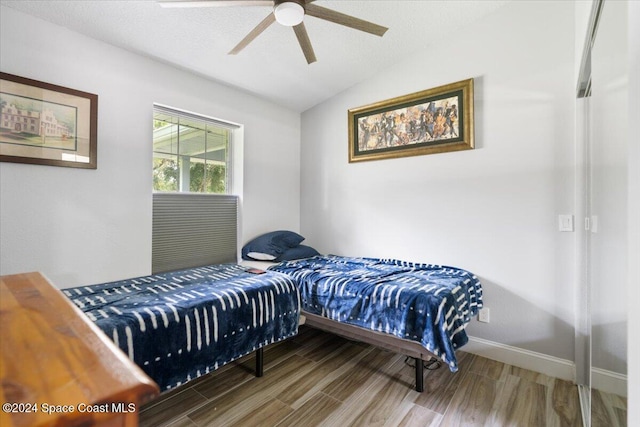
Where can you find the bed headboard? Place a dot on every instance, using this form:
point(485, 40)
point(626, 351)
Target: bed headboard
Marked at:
point(192, 230)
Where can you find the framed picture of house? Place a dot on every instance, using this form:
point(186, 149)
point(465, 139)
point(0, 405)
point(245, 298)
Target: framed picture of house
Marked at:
point(46, 124)
point(431, 121)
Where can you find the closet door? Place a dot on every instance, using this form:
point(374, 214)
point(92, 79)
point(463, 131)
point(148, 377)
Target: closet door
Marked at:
point(608, 182)
point(583, 234)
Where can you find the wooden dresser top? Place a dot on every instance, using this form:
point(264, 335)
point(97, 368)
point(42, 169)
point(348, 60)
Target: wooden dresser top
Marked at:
point(54, 359)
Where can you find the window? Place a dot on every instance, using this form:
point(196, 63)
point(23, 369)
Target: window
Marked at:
point(191, 153)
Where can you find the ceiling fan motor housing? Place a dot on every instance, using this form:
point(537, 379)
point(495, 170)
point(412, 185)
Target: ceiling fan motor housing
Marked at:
point(289, 12)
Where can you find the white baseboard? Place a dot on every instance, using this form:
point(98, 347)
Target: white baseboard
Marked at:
point(609, 381)
point(526, 359)
point(601, 379)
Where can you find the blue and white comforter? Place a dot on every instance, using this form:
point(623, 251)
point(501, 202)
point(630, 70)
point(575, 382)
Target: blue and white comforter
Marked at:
point(427, 303)
point(180, 325)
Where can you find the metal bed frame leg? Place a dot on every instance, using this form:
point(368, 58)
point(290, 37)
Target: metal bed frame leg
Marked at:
point(259, 362)
point(419, 375)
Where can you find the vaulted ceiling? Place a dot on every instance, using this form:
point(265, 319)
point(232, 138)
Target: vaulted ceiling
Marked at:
point(273, 65)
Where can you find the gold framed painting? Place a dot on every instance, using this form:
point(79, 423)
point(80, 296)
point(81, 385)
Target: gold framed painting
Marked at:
point(46, 124)
point(432, 121)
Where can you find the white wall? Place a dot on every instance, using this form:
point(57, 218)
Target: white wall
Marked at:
point(493, 210)
point(89, 226)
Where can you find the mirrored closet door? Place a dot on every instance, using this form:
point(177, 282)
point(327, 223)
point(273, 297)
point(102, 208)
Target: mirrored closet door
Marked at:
point(601, 352)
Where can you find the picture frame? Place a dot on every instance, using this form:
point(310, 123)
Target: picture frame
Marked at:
point(436, 120)
point(46, 124)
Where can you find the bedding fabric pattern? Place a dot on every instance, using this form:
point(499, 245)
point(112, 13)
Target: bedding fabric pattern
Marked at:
point(427, 303)
point(177, 326)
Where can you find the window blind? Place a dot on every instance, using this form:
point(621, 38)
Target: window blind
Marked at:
point(174, 112)
point(192, 230)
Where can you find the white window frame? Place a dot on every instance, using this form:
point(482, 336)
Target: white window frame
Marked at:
point(234, 178)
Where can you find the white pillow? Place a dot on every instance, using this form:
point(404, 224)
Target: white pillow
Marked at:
point(260, 256)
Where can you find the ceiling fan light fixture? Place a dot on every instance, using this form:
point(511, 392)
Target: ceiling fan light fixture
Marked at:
point(289, 13)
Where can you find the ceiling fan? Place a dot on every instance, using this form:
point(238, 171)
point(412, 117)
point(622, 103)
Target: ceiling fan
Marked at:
point(289, 13)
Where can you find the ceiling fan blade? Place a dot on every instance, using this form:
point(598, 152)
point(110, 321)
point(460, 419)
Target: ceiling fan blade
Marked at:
point(305, 43)
point(270, 19)
point(213, 3)
point(346, 20)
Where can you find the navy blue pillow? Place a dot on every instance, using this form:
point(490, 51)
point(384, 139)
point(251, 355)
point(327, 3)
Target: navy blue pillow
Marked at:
point(299, 252)
point(269, 246)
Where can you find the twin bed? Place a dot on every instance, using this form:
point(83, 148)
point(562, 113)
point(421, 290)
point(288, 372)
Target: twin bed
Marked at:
point(180, 325)
point(420, 310)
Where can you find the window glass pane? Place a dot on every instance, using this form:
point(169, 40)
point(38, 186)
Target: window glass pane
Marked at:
point(197, 177)
point(216, 178)
point(165, 137)
point(165, 172)
point(192, 141)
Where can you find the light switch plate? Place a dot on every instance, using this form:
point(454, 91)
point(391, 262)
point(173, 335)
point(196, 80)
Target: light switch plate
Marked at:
point(565, 222)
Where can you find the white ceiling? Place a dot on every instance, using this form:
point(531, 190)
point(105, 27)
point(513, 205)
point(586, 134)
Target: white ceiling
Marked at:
point(272, 66)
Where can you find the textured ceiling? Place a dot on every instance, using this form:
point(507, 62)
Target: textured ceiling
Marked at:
point(273, 65)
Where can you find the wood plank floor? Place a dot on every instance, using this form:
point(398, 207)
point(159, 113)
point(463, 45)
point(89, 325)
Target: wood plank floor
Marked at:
point(319, 379)
point(608, 410)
